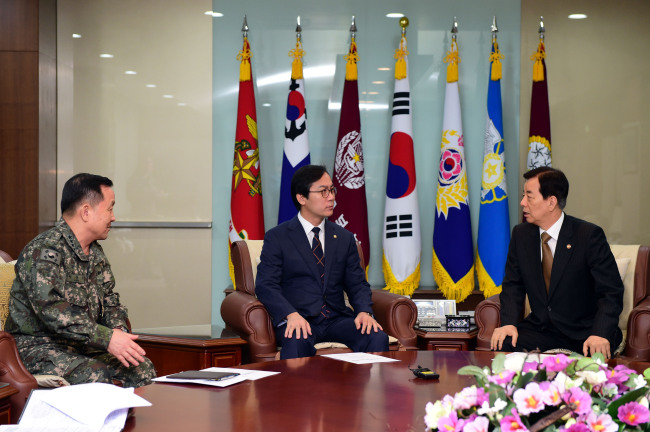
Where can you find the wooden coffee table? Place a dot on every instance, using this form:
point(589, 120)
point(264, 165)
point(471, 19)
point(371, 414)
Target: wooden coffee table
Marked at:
point(314, 393)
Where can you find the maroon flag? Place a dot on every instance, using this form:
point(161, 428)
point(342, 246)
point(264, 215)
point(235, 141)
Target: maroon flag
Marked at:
point(539, 136)
point(351, 211)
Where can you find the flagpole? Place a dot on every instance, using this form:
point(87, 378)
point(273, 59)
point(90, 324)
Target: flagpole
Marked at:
point(402, 244)
point(296, 141)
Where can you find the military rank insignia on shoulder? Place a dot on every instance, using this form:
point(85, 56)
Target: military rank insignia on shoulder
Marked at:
point(51, 256)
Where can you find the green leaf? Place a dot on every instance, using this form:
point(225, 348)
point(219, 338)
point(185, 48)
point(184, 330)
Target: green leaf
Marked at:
point(472, 371)
point(498, 363)
point(599, 358)
point(525, 379)
point(587, 364)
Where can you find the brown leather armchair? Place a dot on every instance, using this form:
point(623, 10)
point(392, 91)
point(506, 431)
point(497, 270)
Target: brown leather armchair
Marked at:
point(12, 370)
point(246, 316)
point(637, 338)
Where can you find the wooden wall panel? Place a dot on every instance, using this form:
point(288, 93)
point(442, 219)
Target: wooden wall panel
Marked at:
point(27, 89)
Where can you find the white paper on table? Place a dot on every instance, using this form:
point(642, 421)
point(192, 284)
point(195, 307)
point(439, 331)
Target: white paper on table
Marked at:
point(360, 358)
point(40, 415)
point(244, 375)
point(91, 404)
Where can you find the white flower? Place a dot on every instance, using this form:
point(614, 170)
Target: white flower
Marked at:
point(644, 401)
point(564, 383)
point(514, 362)
point(480, 424)
point(436, 411)
point(593, 378)
point(485, 409)
point(639, 382)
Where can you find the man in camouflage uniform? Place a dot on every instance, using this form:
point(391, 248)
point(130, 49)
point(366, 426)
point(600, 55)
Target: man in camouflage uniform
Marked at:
point(63, 312)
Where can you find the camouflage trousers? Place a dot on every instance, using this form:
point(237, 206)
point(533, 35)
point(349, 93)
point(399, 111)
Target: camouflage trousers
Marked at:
point(81, 366)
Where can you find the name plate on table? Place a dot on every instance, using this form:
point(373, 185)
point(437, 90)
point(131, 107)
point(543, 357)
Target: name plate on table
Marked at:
point(458, 321)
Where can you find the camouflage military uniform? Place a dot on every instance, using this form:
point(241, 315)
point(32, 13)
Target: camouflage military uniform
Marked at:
point(62, 311)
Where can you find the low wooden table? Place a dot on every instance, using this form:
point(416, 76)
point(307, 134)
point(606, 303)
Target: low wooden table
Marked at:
point(175, 349)
point(443, 339)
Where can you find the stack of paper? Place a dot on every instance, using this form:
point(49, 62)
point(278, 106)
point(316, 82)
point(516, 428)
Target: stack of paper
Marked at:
point(94, 407)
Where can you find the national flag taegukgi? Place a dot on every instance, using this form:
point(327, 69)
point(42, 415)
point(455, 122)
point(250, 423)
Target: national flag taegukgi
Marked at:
point(539, 135)
point(494, 221)
point(453, 255)
point(246, 211)
point(351, 210)
point(402, 246)
point(296, 142)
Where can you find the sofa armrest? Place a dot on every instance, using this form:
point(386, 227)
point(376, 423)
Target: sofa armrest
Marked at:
point(397, 315)
point(247, 316)
point(13, 371)
point(488, 317)
point(638, 332)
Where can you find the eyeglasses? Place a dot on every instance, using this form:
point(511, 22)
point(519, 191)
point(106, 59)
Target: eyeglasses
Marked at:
point(325, 192)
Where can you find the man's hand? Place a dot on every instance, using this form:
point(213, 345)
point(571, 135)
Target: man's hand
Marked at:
point(500, 333)
point(124, 349)
point(296, 322)
point(596, 344)
point(366, 323)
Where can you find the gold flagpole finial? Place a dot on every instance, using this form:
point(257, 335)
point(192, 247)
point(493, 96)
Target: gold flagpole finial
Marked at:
point(454, 29)
point(542, 29)
point(244, 27)
point(404, 22)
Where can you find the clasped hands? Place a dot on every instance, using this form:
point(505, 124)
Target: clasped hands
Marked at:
point(123, 348)
point(594, 344)
point(295, 322)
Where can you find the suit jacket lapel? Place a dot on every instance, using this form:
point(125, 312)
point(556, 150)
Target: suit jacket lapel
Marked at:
point(301, 242)
point(331, 248)
point(563, 252)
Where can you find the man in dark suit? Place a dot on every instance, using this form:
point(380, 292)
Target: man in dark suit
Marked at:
point(306, 265)
point(574, 287)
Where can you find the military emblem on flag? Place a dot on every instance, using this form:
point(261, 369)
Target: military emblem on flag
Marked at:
point(453, 255)
point(539, 135)
point(494, 221)
point(246, 210)
point(351, 211)
point(296, 142)
point(402, 247)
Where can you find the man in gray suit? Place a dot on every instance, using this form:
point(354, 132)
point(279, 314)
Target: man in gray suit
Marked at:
point(566, 268)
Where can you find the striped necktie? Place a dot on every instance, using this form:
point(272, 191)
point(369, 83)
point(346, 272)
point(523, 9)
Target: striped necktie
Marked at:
point(317, 251)
point(547, 260)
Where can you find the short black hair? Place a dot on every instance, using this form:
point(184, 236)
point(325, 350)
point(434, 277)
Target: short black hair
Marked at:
point(552, 182)
point(303, 179)
point(83, 187)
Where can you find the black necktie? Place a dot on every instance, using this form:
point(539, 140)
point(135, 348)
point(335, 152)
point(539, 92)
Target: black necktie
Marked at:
point(317, 250)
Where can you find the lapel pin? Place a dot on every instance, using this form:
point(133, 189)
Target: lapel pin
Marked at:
point(568, 246)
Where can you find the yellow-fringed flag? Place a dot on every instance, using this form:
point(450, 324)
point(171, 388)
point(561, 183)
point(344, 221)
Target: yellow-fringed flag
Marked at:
point(351, 210)
point(453, 254)
point(402, 245)
point(296, 142)
point(246, 211)
point(539, 135)
point(493, 221)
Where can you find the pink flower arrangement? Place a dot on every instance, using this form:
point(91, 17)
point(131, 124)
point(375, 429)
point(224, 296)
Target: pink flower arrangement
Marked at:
point(558, 393)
